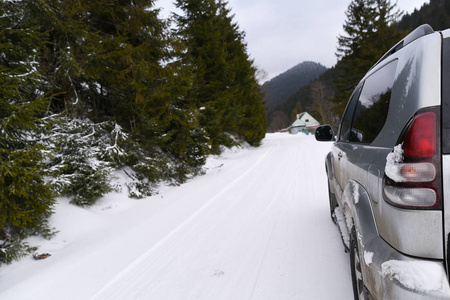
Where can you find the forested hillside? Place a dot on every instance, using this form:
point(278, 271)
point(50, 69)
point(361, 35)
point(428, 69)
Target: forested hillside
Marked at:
point(278, 89)
point(313, 98)
point(371, 28)
point(88, 87)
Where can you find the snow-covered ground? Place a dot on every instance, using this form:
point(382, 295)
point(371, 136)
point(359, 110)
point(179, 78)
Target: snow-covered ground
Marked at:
point(255, 226)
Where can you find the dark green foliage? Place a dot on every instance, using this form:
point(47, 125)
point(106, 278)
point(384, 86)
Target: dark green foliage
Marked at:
point(370, 30)
point(84, 156)
point(87, 184)
point(435, 13)
point(102, 58)
point(13, 248)
point(223, 84)
point(26, 200)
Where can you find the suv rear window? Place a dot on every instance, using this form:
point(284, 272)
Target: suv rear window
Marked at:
point(373, 105)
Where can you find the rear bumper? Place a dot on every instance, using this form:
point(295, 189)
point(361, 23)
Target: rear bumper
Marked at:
point(389, 274)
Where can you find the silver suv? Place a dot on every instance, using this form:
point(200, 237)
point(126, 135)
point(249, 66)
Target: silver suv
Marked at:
point(389, 172)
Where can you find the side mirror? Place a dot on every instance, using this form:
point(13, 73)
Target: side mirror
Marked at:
point(324, 133)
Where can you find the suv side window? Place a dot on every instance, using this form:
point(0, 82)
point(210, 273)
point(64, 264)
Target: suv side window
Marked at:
point(373, 105)
point(346, 123)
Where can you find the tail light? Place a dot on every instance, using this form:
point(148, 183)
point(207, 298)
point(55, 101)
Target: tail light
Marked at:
point(420, 140)
point(412, 178)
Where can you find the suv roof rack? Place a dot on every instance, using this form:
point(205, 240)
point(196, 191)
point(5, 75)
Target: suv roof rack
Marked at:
point(420, 31)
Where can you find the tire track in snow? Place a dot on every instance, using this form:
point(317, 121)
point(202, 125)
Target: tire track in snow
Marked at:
point(114, 284)
point(292, 153)
point(304, 238)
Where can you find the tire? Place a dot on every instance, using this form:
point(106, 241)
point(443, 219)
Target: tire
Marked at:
point(359, 291)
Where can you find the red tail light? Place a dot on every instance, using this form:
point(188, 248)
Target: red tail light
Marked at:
point(414, 180)
point(420, 141)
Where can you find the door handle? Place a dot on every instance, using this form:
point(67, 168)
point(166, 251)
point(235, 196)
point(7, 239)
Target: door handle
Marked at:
point(340, 155)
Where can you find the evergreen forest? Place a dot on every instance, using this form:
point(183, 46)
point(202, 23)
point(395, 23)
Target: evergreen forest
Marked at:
point(90, 87)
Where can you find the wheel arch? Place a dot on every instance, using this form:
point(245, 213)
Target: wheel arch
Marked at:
point(361, 227)
point(358, 212)
point(329, 168)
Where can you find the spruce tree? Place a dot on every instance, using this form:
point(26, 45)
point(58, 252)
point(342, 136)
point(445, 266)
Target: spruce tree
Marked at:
point(103, 57)
point(223, 86)
point(26, 199)
point(128, 51)
point(246, 114)
point(370, 30)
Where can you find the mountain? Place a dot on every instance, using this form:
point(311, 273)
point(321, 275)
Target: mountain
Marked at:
point(279, 88)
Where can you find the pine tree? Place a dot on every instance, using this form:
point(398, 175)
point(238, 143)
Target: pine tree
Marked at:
point(128, 65)
point(248, 112)
point(370, 31)
point(103, 58)
point(224, 86)
point(385, 33)
point(26, 200)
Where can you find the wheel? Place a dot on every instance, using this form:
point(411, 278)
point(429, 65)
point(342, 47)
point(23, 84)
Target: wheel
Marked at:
point(333, 204)
point(359, 291)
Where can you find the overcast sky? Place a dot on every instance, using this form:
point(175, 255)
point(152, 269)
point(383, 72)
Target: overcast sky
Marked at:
point(282, 33)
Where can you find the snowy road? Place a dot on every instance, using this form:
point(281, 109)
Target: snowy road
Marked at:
point(256, 226)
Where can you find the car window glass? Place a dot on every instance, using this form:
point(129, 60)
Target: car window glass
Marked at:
point(373, 105)
point(344, 130)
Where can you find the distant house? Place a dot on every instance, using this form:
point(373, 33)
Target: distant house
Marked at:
point(304, 122)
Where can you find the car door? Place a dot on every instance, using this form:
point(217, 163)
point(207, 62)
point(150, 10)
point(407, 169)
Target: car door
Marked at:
point(341, 147)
